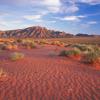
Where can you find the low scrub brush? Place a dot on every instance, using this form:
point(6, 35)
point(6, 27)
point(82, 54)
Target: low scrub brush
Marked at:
point(73, 52)
point(92, 57)
point(2, 72)
point(16, 56)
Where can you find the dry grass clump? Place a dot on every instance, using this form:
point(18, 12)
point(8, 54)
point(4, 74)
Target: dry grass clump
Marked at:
point(58, 43)
point(8, 46)
point(83, 47)
point(2, 73)
point(14, 46)
point(86, 53)
point(19, 40)
point(68, 53)
point(43, 41)
point(16, 56)
point(91, 53)
point(4, 46)
point(67, 45)
point(92, 57)
point(96, 48)
point(29, 44)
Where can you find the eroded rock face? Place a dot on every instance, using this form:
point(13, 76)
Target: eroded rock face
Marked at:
point(34, 32)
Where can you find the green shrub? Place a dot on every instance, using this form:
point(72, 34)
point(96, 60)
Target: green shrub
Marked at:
point(73, 52)
point(91, 57)
point(63, 53)
point(83, 47)
point(16, 56)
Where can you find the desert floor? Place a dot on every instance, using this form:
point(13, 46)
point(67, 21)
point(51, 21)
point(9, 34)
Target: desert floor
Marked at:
point(42, 75)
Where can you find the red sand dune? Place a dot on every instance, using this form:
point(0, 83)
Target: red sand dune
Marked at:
point(42, 76)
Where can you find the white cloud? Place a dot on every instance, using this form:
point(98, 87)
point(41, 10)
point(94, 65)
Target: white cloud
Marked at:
point(81, 16)
point(32, 17)
point(44, 21)
point(55, 6)
point(52, 5)
point(69, 9)
point(92, 22)
point(72, 18)
point(52, 2)
point(53, 9)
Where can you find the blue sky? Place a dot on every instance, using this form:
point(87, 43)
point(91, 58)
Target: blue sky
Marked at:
point(73, 16)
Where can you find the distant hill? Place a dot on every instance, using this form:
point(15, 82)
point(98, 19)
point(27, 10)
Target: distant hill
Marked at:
point(84, 35)
point(34, 32)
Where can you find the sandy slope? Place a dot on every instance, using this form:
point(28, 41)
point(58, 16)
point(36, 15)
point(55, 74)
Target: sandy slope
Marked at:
point(41, 76)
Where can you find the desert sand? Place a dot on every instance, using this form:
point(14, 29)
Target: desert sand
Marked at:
point(42, 75)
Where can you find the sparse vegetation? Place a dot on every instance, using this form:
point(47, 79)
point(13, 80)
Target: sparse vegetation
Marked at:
point(2, 72)
point(92, 57)
point(29, 44)
point(78, 40)
point(16, 56)
point(8, 46)
point(14, 47)
point(73, 52)
point(43, 41)
point(89, 51)
point(63, 53)
point(58, 43)
point(83, 47)
point(19, 40)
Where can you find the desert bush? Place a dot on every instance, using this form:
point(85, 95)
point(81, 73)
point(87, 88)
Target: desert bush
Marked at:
point(26, 40)
point(58, 43)
point(8, 46)
point(72, 52)
point(19, 40)
point(91, 57)
point(67, 45)
point(28, 44)
point(96, 48)
point(63, 53)
point(14, 46)
point(2, 72)
point(32, 45)
point(2, 46)
point(83, 47)
point(43, 41)
point(16, 56)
